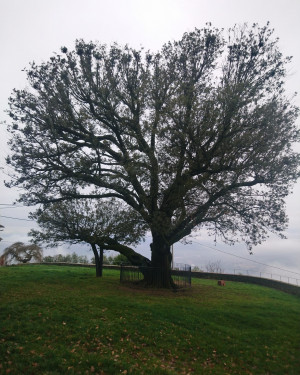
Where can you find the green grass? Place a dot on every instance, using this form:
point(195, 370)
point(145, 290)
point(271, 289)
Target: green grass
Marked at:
point(62, 320)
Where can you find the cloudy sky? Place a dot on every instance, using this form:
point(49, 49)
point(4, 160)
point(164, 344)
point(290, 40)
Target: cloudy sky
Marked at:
point(32, 30)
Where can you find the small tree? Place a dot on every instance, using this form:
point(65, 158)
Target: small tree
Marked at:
point(105, 225)
point(22, 253)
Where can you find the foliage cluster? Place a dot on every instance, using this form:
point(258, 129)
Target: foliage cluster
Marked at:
point(69, 258)
point(115, 260)
point(74, 258)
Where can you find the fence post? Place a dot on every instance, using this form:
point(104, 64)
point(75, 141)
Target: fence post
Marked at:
point(121, 273)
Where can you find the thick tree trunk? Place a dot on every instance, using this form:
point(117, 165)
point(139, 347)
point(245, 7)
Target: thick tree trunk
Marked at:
point(98, 260)
point(160, 273)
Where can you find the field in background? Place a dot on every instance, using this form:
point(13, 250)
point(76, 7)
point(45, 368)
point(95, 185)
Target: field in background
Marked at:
point(62, 320)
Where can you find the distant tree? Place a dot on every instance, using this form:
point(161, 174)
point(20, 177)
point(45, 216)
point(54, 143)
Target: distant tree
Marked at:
point(105, 225)
point(214, 267)
point(196, 269)
point(22, 253)
point(68, 258)
point(118, 259)
point(196, 136)
point(48, 259)
point(1, 229)
point(106, 259)
point(59, 258)
point(74, 257)
point(83, 259)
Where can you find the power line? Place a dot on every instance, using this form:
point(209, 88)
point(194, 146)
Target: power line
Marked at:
point(249, 260)
point(12, 204)
point(9, 206)
point(15, 218)
point(8, 241)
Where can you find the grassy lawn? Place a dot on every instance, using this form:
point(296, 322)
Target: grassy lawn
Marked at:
point(62, 320)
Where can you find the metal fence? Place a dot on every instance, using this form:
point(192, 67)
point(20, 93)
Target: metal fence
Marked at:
point(269, 275)
point(181, 274)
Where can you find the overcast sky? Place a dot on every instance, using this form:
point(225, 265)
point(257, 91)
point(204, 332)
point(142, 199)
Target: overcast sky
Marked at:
point(31, 30)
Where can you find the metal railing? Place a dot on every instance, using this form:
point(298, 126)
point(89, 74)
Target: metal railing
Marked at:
point(181, 274)
point(269, 275)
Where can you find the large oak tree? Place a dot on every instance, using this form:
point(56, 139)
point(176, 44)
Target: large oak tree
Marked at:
point(197, 135)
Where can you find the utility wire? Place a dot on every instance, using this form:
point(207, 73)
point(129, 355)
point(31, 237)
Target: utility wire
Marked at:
point(9, 207)
point(12, 205)
point(249, 260)
point(9, 204)
point(15, 218)
point(8, 241)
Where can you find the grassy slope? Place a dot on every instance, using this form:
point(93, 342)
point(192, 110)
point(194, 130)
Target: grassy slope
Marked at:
point(62, 320)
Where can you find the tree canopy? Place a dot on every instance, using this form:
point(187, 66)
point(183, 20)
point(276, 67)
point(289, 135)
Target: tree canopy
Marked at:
point(197, 135)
